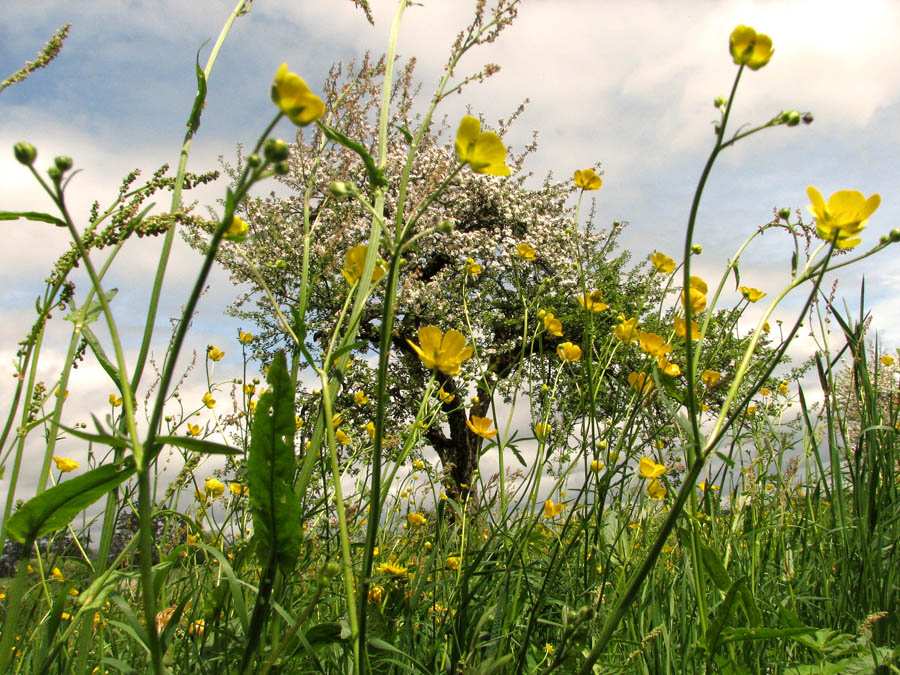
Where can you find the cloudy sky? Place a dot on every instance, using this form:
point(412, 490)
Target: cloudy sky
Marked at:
point(629, 85)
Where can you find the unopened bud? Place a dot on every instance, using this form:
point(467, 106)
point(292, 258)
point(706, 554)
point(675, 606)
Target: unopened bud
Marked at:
point(254, 161)
point(25, 153)
point(894, 235)
point(445, 227)
point(63, 163)
point(280, 264)
point(276, 150)
point(341, 189)
point(696, 249)
point(281, 169)
point(720, 101)
point(791, 118)
point(784, 214)
point(54, 173)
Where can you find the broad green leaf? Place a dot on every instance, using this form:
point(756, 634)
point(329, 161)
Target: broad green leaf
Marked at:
point(270, 468)
point(32, 215)
point(87, 314)
point(56, 507)
point(324, 633)
point(715, 568)
point(102, 358)
point(198, 445)
point(200, 99)
point(376, 176)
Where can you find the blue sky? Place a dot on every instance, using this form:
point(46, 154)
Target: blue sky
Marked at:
point(629, 85)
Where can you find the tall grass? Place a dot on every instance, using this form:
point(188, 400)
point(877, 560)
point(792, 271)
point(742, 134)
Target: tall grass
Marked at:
point(718, 521)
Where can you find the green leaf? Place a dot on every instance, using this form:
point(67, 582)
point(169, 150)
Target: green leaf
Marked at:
point(710, 641)
point(200, 99)
point(102, 358)
point(324, 633)
point(198, 445)
point(271, 467)
point(32, 215)
point(742, 634)
point(376, 176)
point(406, 134)
point(87, 314)
point(715, 568)
point(102, 438)
point(56, 507)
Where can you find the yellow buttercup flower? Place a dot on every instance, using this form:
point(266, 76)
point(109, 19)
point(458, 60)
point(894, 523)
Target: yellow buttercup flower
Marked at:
point(596, 465)
point(656, 490)
point(64, 464)
point(355, 261)
point(668, 367)
point(640, 382)
point(588, 180)
point(444, 351)
point(57, 574)
point(360, 398)
point(552, 510)
point(710, 377)
point(376, 593)
point(592, 302)
point(483, 151)
point(653, 344)
point(649, 468)
point(627, 331)
point(751, 294)
point(444, 396)
point(750, 48)
point(887, 360)
point(568, 352)
point(783, 388)
point(245, 338)
point(452, 562)
point(416, 519)
point(525, 252)
point(843, 217)
point(291, 93)
point(662, 263)
point(238, 229)
point(541, 430)
point(552, 325)
point(238, 490)
point(215, 354)
point(194, 429)
point(115, 401)
point(208, 400)
point(214, 488)
point(473, 267)
point(370, 429)
point(341, 437)
point(481, 426)
point(696, 294)
point(681, 328)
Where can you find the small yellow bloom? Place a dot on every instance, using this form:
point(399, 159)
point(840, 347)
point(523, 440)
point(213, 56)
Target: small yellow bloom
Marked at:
point(710, 377)
point(392, 568)
point(681, 328)
point(751, 409)
point(649, 468)
point(887, 360)
point(215, 354)
point(783, 388)
point(355, 261)
point(568, 352)
point(766, 327)
point(238, 490)
point(214, 488)
point(293, 96)
point(416, 519)
point(588, 179)
point(376, 593)
point(750, 48)
point(200, 495)
point(701, 486)
point(549, 649)
point(360, 398)
point(596, 465)
point(552, 325)
point(627, 331)
point(481, 426)
point(444, 396)
point(341, 437)
point(245, 338)
point(640, 382)
point(72, 591)
point(843, 217)
point(653, 344)
point(591, 301)
point(541, 430)
point(238, 229)
point(697, 300)
point(525, 252)
point(115, 401)
point(370, 429)
point(662, 262)
point(668, 367)
point(483, 151)
point(473, 267)
point(444, 351)
point(751, 294)
point(656, 490)
point(64, 464)
point(57, 574)
point(197, 627)
point(452, 562)
point(208, 400)
point(418, 464)
point(552, 510)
